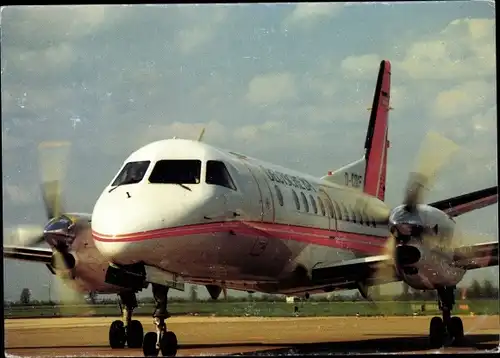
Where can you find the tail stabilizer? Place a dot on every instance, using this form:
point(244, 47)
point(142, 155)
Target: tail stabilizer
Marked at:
point(369, 173)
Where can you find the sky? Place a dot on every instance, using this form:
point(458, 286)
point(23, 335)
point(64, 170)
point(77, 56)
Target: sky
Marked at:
point(285, 83)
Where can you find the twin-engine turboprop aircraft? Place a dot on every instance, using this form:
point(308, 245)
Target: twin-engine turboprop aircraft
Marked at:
point(184, 211)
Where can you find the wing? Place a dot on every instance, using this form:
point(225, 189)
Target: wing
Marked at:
point(348, 274)
point(462, 204)
point(379, 269)
point(28, 254)
point(476, 256)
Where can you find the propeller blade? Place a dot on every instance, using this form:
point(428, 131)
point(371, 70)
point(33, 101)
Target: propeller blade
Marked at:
point(26, 235)
point(52, 160)
point(72, 302)
point(51, 192)
point(378, 213)
point(224, 291)
point(434, 153)
point(385, 271)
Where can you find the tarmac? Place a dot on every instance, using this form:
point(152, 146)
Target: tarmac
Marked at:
point(88, 336)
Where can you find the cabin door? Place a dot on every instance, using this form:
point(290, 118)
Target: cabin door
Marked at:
point(266, 199)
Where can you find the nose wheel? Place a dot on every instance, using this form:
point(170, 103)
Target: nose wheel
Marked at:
point(127, 331)
point(447, 327)
point(162, 340)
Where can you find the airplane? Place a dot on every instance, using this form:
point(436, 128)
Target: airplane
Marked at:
point(181, 210)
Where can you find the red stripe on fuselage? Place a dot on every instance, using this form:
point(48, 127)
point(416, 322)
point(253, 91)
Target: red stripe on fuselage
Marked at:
point(342, 240)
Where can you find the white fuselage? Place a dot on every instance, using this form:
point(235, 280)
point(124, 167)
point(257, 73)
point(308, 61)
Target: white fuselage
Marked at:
point(272, 220)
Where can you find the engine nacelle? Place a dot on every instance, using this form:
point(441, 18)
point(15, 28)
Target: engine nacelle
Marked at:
point(424, 269)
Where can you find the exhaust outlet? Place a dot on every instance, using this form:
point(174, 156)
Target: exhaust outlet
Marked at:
point(407, 255)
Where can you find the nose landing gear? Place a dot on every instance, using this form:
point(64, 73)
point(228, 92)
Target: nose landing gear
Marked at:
point(127, 331)
point(161, 340)
point(448, 325)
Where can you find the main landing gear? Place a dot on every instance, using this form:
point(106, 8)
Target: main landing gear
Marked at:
point(161, 340)
point(448, 325)
point(127, 331)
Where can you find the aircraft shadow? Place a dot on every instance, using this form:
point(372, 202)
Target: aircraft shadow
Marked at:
point(407, 343)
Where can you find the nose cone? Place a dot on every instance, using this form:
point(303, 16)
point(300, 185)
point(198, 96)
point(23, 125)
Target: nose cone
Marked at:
point(123, 219)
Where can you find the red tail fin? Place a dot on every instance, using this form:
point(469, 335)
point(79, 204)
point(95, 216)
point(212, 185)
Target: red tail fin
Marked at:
point(376, 143)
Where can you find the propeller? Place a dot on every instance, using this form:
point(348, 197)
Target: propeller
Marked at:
point(434, 152)
point(73, 302)
point(60, 230)
point(26, 235)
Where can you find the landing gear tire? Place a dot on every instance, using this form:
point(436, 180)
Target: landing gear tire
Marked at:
point(168, 344)
point(437, 331)
point(127, 330)
point(448, 327)
point(117, 335)
point(135, 334)
point(161, 340)
point(456, 330)
point(149, 345)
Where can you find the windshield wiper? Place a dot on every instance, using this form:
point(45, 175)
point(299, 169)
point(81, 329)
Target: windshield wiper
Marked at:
point(130, 181)
point(184, 186)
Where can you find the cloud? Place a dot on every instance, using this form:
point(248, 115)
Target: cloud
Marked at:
point(271, 88)
point(37, 24)
point(305, 14)
point(214, 131)
point(465, 49)
point(17, 195)
point(364, 66)
point(462, 100)
point(200, 29)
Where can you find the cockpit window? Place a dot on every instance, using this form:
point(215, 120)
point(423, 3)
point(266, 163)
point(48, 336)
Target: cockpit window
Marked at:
point(132, 173)
point(217, 174)
point(176, 171)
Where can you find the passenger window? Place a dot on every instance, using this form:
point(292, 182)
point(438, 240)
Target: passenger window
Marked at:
point(304, 200)
point(176, 171)
point(321, 206)
point(313, 203)
point(217, 174)
point(279, 195)
point(131, 173)
point(296, 199)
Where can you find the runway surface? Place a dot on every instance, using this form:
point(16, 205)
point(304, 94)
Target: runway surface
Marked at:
point(88, 336)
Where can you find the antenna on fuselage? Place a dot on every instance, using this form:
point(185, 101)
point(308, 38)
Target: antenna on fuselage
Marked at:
point(200, 137)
